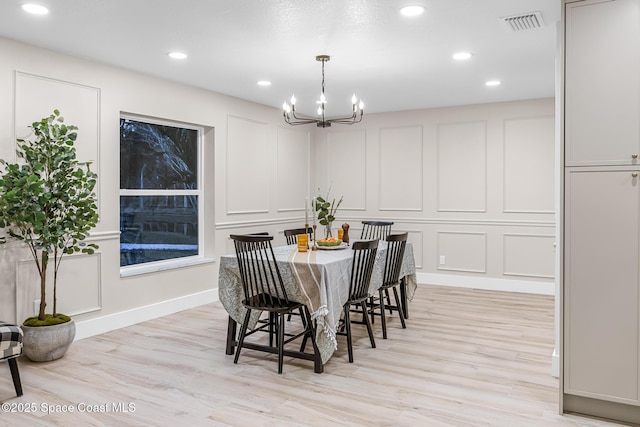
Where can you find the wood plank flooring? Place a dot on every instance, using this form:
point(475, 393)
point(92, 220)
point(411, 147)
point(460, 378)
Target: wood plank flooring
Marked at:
point(467, 358)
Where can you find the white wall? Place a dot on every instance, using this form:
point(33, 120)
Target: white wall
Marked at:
point(473, 184)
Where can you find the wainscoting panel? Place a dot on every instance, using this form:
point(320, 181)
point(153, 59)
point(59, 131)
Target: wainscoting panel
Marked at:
point(462, 167)
point(401, 163)
point(462, 251)
point(247, 162)
point(37, 97)
point(293, 168)
point(528, 165)
point(529, 255)
point(79, 285)
point(346, 168)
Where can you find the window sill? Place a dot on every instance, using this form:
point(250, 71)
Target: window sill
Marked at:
point(136, 270)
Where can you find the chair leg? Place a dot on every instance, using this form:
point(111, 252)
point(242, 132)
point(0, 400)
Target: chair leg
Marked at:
point(386, 292)
point(243, 332)
point(318, 367)
point(403, 298)
point(347, 325)
point(369, 328)
point(231, 335)
point(15, 375)
point(272, 331)
point(280, 340)
point(400, 310)
point(383, 316)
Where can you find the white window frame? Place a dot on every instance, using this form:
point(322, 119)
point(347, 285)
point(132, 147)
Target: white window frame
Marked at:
point(150, 267)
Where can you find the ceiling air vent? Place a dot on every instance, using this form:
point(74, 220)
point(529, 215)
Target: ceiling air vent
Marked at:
point(523, 22)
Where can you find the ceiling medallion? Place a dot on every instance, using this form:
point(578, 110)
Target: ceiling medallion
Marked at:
point(289, 111)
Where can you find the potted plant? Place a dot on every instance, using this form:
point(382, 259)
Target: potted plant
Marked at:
point(47, 202)
point(326, 212)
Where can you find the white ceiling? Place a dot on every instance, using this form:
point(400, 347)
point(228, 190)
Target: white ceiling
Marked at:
point(392, 62)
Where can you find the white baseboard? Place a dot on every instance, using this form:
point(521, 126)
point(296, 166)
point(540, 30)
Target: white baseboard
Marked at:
point(555, 363)
point(491, 284)
point(111, 322)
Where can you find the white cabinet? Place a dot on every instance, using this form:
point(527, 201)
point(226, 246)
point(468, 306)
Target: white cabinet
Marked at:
point(601, 210)
point(602, 82)
point(602, 330)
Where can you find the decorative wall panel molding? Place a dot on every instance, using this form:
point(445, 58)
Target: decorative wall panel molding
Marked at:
point(293, 165)
point(247, 162)
point(79, 285)
point(37, 96)
point(462, 167)
point(346, 168)
point(462, 251)
point(529, 255)
point(529, 150)
point(401, 166)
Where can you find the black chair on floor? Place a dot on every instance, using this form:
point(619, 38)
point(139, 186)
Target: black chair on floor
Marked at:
point(364, 256)
point(264, 291)
point(10, 348)
point(292, 234)
point(375, 229)
point(396, 244)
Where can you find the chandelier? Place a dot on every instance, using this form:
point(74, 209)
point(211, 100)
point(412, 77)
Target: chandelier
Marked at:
point(289, 111)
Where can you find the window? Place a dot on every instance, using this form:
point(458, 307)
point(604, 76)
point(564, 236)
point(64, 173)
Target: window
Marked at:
point(159, 191)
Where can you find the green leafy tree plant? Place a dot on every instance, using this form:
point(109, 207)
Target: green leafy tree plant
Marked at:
point(47, 201)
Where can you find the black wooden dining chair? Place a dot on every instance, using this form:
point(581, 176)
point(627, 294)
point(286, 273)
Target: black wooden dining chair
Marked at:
point(292, 234)
point(375, 229)
point(396, 244)
point(264, 290)
point(364, 256)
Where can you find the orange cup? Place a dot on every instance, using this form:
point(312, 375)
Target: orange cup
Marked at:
point(303, 242)
point(340, 233)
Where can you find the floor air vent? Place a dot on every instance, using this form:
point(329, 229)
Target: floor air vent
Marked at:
point(523, 22)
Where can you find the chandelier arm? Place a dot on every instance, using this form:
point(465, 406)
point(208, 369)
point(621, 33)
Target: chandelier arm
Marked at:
point(299, 122)
point(353, 118)
point(293, 113)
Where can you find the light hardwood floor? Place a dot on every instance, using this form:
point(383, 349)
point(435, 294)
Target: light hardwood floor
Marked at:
point(467, 358)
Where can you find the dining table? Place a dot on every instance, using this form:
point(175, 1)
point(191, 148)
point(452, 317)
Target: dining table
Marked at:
point(318, 278)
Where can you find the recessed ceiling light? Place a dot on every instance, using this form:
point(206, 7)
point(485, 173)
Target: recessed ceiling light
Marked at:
point(177, 55)
point(264, 83)
point(35, 9)
point(493, 83)
point(462, 56)
point(412, 10)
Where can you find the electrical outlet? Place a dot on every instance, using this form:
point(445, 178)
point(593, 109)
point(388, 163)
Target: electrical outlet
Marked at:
point(441, 259)
point(36, 307)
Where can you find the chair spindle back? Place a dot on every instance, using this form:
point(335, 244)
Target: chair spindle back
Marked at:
point(261, 279)
point(396, 244)
point(292, 234)
point(375, 229)
point(364, 256)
